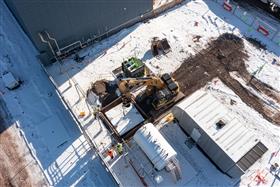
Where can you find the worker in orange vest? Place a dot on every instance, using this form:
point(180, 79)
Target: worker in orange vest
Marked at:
point(110, 153)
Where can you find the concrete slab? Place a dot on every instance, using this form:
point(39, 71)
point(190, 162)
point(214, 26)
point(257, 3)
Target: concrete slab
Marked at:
point(124, 118)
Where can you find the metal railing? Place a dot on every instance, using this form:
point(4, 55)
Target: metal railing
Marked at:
point(65, 51)
point(80, 126)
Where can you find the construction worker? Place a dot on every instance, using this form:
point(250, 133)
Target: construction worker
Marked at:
point(119, 148)
point(110, 153)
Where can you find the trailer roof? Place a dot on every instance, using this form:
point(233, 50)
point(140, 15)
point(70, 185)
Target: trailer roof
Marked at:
point(233, 138)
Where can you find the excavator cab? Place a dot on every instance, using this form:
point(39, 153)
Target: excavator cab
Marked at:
point(161, 98)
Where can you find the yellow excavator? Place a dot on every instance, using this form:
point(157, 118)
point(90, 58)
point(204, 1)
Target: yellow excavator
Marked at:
point(162, 90)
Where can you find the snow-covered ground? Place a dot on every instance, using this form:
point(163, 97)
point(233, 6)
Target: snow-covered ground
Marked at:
point(179, 27)
point(62, 151)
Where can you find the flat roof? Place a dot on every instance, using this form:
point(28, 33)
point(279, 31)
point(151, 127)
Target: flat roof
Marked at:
point(234, 138)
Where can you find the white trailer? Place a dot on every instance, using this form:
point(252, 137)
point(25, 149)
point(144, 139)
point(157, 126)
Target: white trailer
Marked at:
point(155, 146)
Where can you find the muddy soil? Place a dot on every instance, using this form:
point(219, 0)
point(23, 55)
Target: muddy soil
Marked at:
point(105, 90)
point(99, 87)
point(222, 56)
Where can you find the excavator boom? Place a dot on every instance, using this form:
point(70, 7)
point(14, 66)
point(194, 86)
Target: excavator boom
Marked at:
point(162, 90)
point(126, 83)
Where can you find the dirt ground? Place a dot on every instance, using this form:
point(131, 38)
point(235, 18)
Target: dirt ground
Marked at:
point(17, 166)
point(224, 55)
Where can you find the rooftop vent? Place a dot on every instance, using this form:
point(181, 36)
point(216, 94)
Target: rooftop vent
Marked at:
point(220, 124)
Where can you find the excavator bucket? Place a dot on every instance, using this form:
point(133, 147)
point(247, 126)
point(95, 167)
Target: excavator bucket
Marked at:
point(160, 45)
point(165, 46)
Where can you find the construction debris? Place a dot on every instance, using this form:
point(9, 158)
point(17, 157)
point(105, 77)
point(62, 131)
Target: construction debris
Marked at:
point(232, 102)
point(99, 87)
point(78, 59)
point(105, 90)
point(196, 38)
